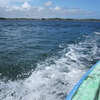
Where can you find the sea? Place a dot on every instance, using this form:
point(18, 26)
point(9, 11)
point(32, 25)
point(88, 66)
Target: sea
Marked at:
point(43, 60)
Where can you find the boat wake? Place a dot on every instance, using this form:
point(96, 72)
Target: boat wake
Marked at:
point(54, 78)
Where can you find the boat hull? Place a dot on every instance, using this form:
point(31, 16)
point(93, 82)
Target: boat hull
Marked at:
point(88, 88)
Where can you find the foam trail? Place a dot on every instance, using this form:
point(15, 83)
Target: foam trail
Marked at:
point(55, 77)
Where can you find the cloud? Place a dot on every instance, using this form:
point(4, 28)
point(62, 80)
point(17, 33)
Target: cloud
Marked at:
point(23, 7)
point(57, 8)
point(47, 4)
point(7, 2)
point(47, 11)
point(26, 5)
point(40, 8)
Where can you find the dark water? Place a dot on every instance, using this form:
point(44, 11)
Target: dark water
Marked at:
point(43, 60)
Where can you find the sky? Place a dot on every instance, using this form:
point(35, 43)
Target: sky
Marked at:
point(77, 9)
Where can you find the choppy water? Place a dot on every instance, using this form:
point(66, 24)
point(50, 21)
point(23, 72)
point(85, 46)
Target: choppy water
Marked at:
point(43, 60)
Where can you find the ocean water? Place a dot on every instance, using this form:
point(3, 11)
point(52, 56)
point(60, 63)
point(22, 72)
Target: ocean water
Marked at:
point(43, 60)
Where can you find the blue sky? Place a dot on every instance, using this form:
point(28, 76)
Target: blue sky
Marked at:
point(50, 8)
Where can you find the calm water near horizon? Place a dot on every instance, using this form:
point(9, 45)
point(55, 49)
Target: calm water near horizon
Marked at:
point(43, 60)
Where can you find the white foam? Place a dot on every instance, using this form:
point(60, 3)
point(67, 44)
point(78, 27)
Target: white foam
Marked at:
point(52, 81)
point(98, 33)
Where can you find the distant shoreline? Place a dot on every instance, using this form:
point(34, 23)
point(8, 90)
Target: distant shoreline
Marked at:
point(53, 19)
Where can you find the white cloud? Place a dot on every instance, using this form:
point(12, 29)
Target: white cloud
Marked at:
point(47, 4)
point(40, 8)
point(57, 8)
point(26, 6)
point(7, 2)
point(12, 8)
point(27, 11)
point(23, 7)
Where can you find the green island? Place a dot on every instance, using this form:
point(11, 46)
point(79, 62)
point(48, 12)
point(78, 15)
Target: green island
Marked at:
point(55, 19)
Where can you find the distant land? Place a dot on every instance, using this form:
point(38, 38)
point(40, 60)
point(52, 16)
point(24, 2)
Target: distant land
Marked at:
point(65, 19)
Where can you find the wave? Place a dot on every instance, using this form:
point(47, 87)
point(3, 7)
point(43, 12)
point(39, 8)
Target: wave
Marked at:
point(98, 33)
point(54, 78)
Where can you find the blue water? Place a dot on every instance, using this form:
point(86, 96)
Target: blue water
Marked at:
point(43, 60)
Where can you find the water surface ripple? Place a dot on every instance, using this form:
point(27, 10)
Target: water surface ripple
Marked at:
point(43, 60)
